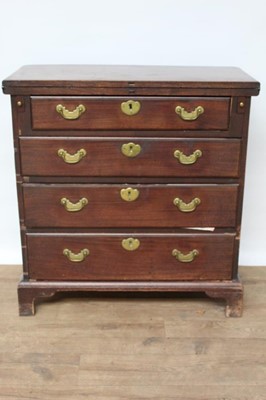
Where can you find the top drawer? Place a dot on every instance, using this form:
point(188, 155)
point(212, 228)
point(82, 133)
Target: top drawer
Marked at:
point(120, 113)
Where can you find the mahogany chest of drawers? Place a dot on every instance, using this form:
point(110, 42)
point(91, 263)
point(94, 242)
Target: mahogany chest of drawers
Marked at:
point(130, 178)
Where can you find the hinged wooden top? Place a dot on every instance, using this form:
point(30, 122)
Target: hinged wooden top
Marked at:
point(122, 79)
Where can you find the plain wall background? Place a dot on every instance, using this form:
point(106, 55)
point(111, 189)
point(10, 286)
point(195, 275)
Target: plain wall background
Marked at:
point(166, 32)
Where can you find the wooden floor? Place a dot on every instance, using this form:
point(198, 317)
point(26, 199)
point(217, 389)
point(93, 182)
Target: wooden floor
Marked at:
point(116, 348)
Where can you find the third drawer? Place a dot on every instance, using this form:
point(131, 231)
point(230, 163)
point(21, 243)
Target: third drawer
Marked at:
point(111, 206)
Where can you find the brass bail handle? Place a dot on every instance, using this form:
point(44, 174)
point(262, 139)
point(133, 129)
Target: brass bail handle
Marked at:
point(189, 116)
point(185, 258)
point(74, 207)
point(187, 207)
point(187, 160)
point(76, 257)
point(71, 158)
point(74, 114)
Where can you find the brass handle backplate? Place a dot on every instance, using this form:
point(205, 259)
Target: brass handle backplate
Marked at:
point(74, 207)
point(185, 258)
point(66, 114)
point(130, 149)
point(130, 107)
point(130, 244)
point(186, 207)
point(187, 160)
point(129, 194)
point(72, 158)
point(189, 116)
point(76, 257)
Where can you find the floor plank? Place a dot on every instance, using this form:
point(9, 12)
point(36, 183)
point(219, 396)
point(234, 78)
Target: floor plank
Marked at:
point(136, 347)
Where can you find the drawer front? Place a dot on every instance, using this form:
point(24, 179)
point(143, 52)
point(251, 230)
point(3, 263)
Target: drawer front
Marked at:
point(88, 113)
point(130, 157)
point(137, 206)
point(126, 257)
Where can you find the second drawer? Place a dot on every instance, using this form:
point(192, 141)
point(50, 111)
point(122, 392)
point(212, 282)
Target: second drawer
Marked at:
point(130, 157)
point(112, 206)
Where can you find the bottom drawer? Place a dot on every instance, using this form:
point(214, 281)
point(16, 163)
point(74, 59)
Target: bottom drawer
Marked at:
point(127, 257)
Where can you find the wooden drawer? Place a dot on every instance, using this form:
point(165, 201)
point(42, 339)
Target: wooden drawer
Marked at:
point(156, 113)
point(127, 157)
point(122, 206)
point(103, 257)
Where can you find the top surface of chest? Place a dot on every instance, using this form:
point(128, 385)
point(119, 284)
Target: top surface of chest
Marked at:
point(124, 80)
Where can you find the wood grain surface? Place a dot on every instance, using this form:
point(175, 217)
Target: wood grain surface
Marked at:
point(155, 113)
point(153, 208)
point(104, 157)
point(151, 347)
point(151, 261)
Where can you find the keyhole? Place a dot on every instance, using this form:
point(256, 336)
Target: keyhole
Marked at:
point(130, 106)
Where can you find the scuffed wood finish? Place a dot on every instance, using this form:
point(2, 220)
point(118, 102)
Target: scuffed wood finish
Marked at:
point(27, 298)
point(234, 300)
point(220, 157)
point(217, 178)
point(153, 208)
point(29, 292)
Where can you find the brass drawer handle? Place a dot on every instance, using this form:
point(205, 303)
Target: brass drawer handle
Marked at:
point(75, 114)
point(72, 158)
point(130, 244)
point(129, 194)
point(186, 207)
point(74, 207)
point(189, 116)
point(130, 107)
point(185, 258)
point(76, 257)
point(130, 149)
point(187, 160)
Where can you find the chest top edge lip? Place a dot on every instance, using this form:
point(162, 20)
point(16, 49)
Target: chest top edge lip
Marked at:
point(126, 91)
point(71, 77)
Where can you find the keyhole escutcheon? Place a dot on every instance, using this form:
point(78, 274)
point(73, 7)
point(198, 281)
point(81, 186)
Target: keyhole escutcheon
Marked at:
point(130, 107)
